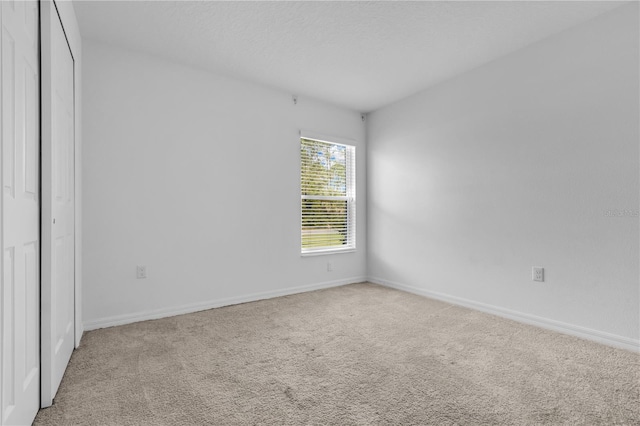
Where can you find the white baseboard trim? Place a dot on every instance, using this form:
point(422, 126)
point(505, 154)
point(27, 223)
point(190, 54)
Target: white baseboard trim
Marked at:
point(561, 327)
point(217, 303)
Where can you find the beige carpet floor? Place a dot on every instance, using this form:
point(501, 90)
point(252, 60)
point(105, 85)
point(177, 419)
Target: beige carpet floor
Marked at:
point(354, 355)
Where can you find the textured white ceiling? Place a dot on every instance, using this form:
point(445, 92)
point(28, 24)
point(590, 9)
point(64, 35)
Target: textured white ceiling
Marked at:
point(361, 55)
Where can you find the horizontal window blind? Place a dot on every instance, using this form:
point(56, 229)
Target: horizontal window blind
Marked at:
point(327, 181)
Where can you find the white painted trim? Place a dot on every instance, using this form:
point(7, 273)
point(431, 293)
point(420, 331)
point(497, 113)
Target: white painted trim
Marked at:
point(47, 391)
point(327, 251)
point(549, 324)
point(217, 303)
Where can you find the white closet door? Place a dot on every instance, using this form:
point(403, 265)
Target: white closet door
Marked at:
point(58, 280)
point(19, 295)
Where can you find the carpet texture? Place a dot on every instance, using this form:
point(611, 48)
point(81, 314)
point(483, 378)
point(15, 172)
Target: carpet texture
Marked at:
point(354, 355)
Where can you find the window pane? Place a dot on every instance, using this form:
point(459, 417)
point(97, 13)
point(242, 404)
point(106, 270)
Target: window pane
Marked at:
point(324, 223)
point(324, 168)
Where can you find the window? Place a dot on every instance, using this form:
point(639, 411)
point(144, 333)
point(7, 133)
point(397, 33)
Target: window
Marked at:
point(328, 189)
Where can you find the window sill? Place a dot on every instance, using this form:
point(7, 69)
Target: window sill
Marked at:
point(328, 251)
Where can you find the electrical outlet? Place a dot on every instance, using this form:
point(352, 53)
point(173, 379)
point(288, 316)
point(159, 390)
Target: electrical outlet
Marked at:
point(537, 274)
point(141, 271)
point(329, 267)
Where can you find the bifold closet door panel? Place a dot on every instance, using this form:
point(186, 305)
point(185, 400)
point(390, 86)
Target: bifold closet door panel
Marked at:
point(20, 303)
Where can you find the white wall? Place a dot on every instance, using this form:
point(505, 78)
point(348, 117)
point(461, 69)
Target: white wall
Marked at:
point(70, 25)
point(196, 176)
point(515, 164)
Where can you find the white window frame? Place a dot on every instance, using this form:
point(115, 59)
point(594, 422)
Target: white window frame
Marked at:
point(350, 196)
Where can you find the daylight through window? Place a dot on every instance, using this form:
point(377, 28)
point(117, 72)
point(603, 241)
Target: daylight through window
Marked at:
point(327, 173)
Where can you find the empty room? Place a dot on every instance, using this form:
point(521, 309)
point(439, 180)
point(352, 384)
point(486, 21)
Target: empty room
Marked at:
point(320, 213)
